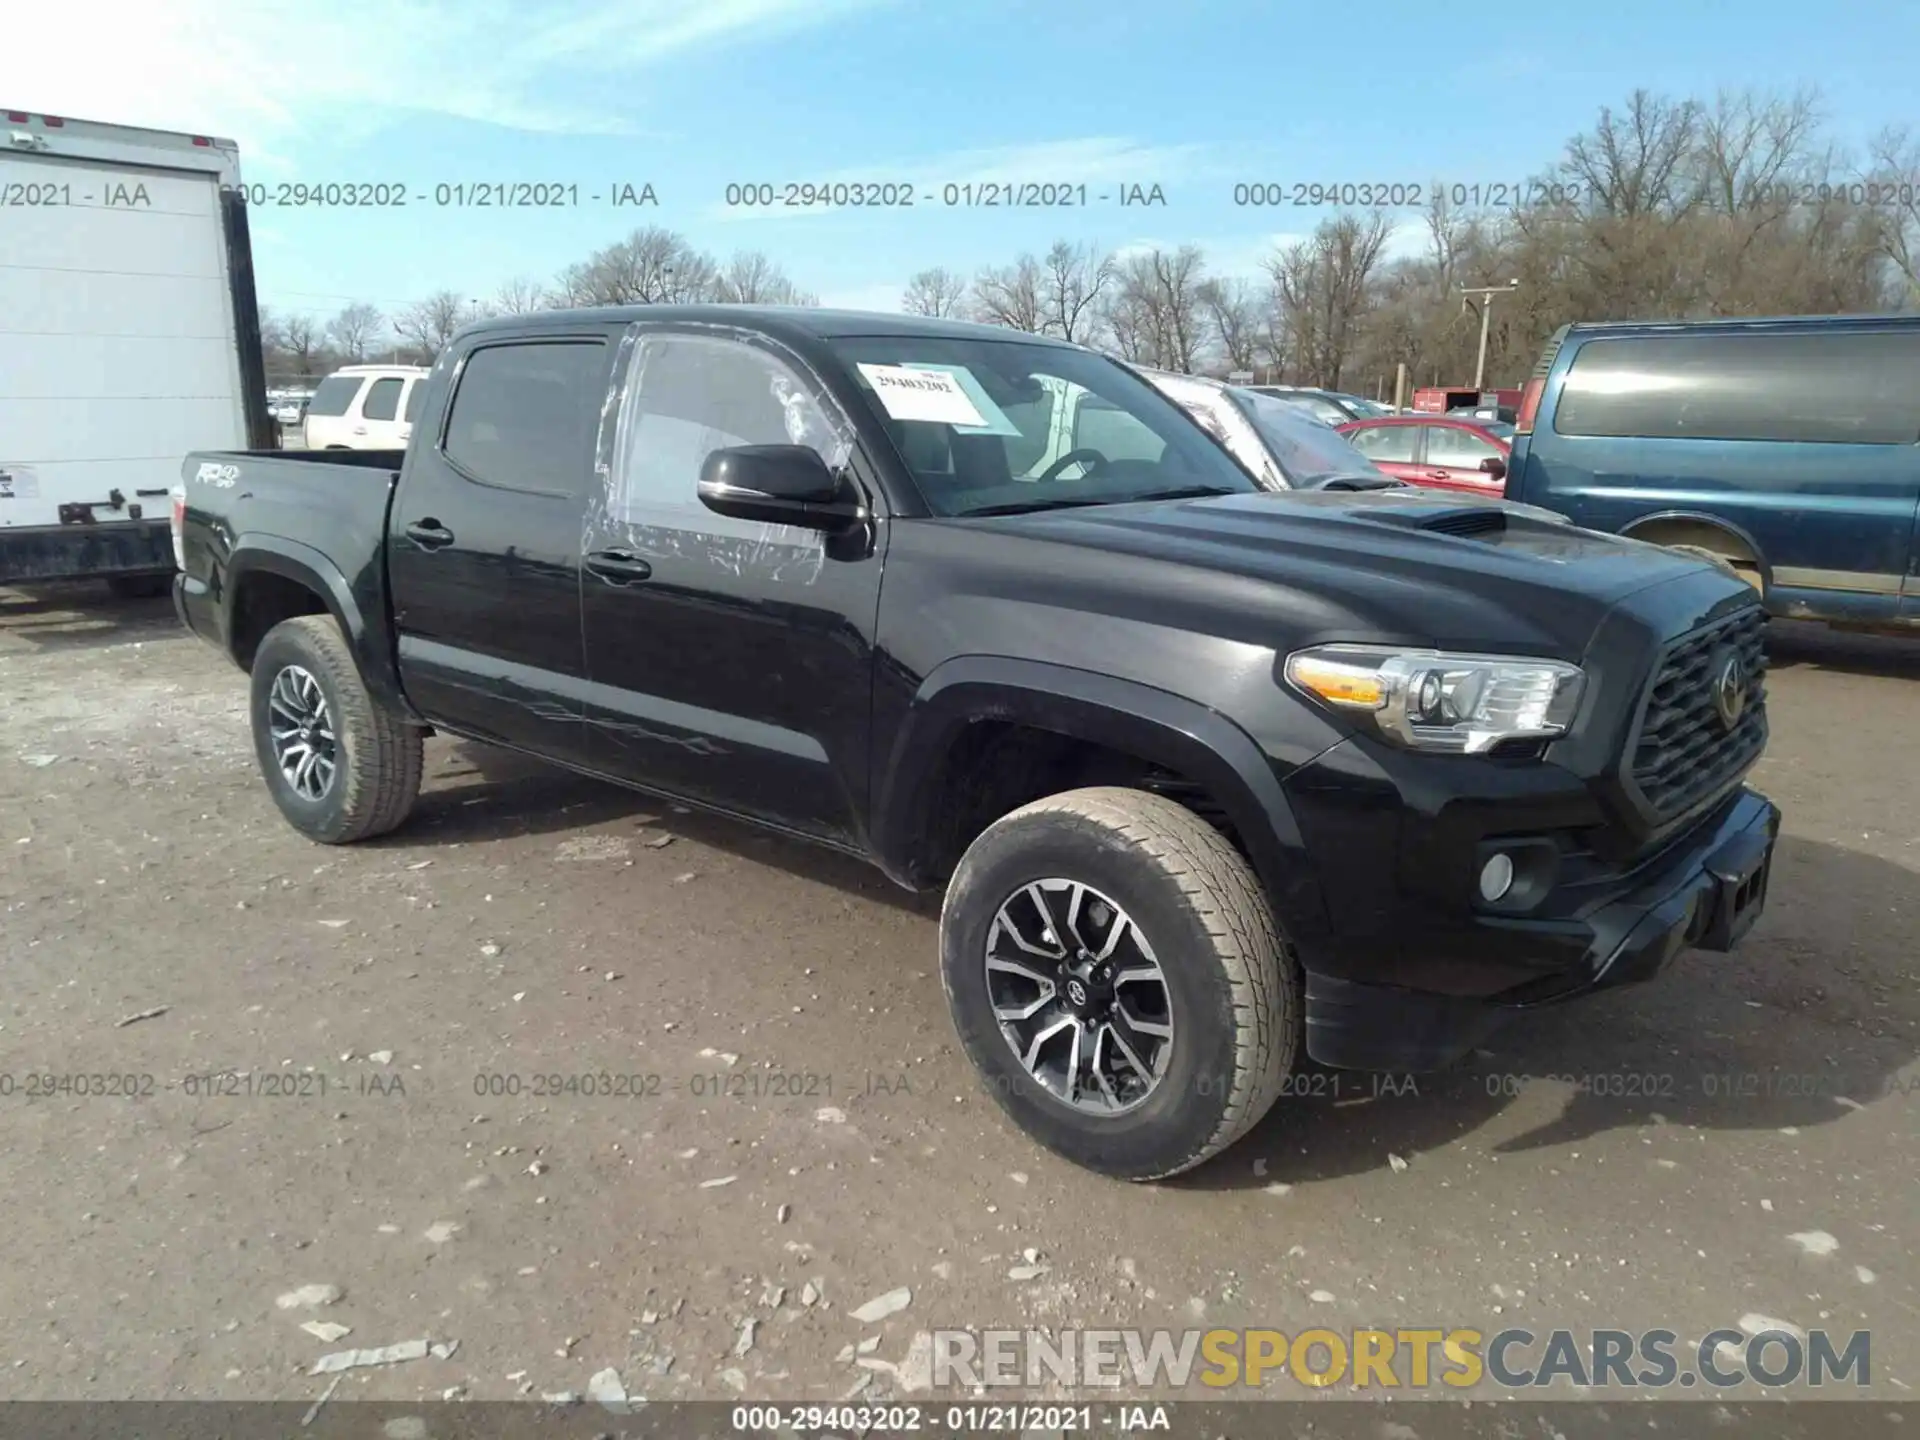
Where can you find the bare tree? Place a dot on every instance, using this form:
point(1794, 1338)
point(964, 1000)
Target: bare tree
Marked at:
point(427, 325)
point(750, 278)
point(1636, 163)
point(935, 292)
point(1749, 145)
point(1894, 189)
point(1156, 316)
point(519, 296)
point(1323, 286)
point(1074, 279)
point(1010, 295)
point(1234, 311)
point(654, 266)
point(354, 330)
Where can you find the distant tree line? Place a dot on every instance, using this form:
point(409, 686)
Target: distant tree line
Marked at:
point(1663, 209)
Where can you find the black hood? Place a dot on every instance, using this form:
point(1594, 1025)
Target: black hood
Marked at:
point(1394, 566)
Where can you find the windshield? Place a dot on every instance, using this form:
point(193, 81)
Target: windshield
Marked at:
point(1499, 429)
point(1306, 451)
point(1000, 426)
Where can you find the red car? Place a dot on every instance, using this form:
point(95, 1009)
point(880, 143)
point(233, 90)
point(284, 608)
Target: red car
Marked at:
point(1435, 450)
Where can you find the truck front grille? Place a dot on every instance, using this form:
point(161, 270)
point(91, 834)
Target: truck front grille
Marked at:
point(1684, 751)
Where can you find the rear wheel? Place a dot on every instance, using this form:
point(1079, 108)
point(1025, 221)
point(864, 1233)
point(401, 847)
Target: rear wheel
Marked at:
point(1114, 971)
point(340, 766)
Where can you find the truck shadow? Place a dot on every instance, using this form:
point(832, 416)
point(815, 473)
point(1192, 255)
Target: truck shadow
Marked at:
point(1813, 1017)
point(83, 615)
point(1798, 644)
point(476, 792)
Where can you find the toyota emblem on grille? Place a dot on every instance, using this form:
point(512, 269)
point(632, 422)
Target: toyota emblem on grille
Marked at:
point(1730, 690)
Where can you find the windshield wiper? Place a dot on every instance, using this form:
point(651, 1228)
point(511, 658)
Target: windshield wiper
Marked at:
point(1025, 507)
point(1186, 492)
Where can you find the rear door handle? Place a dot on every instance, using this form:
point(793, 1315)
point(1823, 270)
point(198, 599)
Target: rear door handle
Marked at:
point(429, 534)
point(619, 567)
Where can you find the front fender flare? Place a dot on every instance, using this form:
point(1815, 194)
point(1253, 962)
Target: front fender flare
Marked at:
point(1156, 725)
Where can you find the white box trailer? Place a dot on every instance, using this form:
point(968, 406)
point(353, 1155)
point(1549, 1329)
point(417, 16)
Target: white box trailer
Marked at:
point(129, 335)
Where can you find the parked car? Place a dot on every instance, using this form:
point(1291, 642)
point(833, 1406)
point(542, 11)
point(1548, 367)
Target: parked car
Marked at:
point(1209, 776)
point(364, 407)
point(1444, 451)
point(289, 407)
point(1277, 442)
point(1334, 407)
point(1787, 447)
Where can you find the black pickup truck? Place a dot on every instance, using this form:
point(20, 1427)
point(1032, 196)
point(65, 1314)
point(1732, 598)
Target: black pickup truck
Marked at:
point(1214, 779)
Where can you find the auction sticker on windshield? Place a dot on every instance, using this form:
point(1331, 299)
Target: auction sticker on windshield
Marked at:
point(933, 395)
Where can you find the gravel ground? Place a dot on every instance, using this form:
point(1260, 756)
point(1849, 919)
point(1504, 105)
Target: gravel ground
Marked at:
point(353, 1073)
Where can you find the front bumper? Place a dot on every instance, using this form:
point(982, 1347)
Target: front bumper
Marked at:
point(1419, 991)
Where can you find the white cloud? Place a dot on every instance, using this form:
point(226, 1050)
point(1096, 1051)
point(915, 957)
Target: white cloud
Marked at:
point(268, 72)
point(1097, 160)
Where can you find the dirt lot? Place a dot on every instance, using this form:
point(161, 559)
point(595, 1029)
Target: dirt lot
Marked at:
point(343, 1080)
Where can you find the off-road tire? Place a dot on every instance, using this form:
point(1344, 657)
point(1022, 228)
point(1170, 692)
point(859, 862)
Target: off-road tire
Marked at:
point(1234, 984)
point(379, 755)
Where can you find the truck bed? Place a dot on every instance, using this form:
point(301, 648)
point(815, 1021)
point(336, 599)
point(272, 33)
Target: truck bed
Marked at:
point(302, 505)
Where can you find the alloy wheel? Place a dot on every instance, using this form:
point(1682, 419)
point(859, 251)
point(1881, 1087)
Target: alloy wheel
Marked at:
point(1079, 996)
point(304, 744)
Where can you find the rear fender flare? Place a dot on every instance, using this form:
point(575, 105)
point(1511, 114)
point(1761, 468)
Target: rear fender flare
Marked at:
point(1155, 725)
point(308, 567)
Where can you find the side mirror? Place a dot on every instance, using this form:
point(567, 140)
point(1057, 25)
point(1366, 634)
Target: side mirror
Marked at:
point(779, 485)
point(1494, 466)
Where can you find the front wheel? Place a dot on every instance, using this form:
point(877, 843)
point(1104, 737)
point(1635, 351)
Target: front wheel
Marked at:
point(340, 766)
point(1115, 972)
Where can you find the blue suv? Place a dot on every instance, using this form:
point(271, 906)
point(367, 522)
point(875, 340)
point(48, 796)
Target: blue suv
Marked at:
point(1790, 448)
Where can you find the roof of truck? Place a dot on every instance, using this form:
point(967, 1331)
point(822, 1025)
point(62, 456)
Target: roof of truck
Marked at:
point(1745, 322)
point(805, 320)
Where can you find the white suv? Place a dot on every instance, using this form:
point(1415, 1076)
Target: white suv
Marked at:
point(365, 407)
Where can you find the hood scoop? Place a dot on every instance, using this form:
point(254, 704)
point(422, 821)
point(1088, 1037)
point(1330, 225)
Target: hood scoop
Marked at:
point(1466, 521)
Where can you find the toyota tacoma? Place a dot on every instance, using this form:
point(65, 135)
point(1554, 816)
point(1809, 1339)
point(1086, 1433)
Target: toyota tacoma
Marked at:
point(1214, 779)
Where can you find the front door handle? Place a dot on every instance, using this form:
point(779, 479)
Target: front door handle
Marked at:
point(429, 534)
point(618, 567)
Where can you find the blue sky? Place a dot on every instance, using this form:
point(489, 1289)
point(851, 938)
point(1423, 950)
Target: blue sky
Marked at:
point(690, 95)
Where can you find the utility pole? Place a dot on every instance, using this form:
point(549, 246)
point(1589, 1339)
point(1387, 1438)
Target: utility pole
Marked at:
point(1485, 307)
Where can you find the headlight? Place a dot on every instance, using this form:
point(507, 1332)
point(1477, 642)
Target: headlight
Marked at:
point(1432, 700)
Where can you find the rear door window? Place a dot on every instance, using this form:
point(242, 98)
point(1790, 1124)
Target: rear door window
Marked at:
point(1458, 449)
point(334, 395)
point(1833, 387)
point(1392, 443)
point(383, 400)
point(416, 389)
point(526, 415)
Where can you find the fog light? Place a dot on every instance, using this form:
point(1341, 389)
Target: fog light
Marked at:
point(1496, 878)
